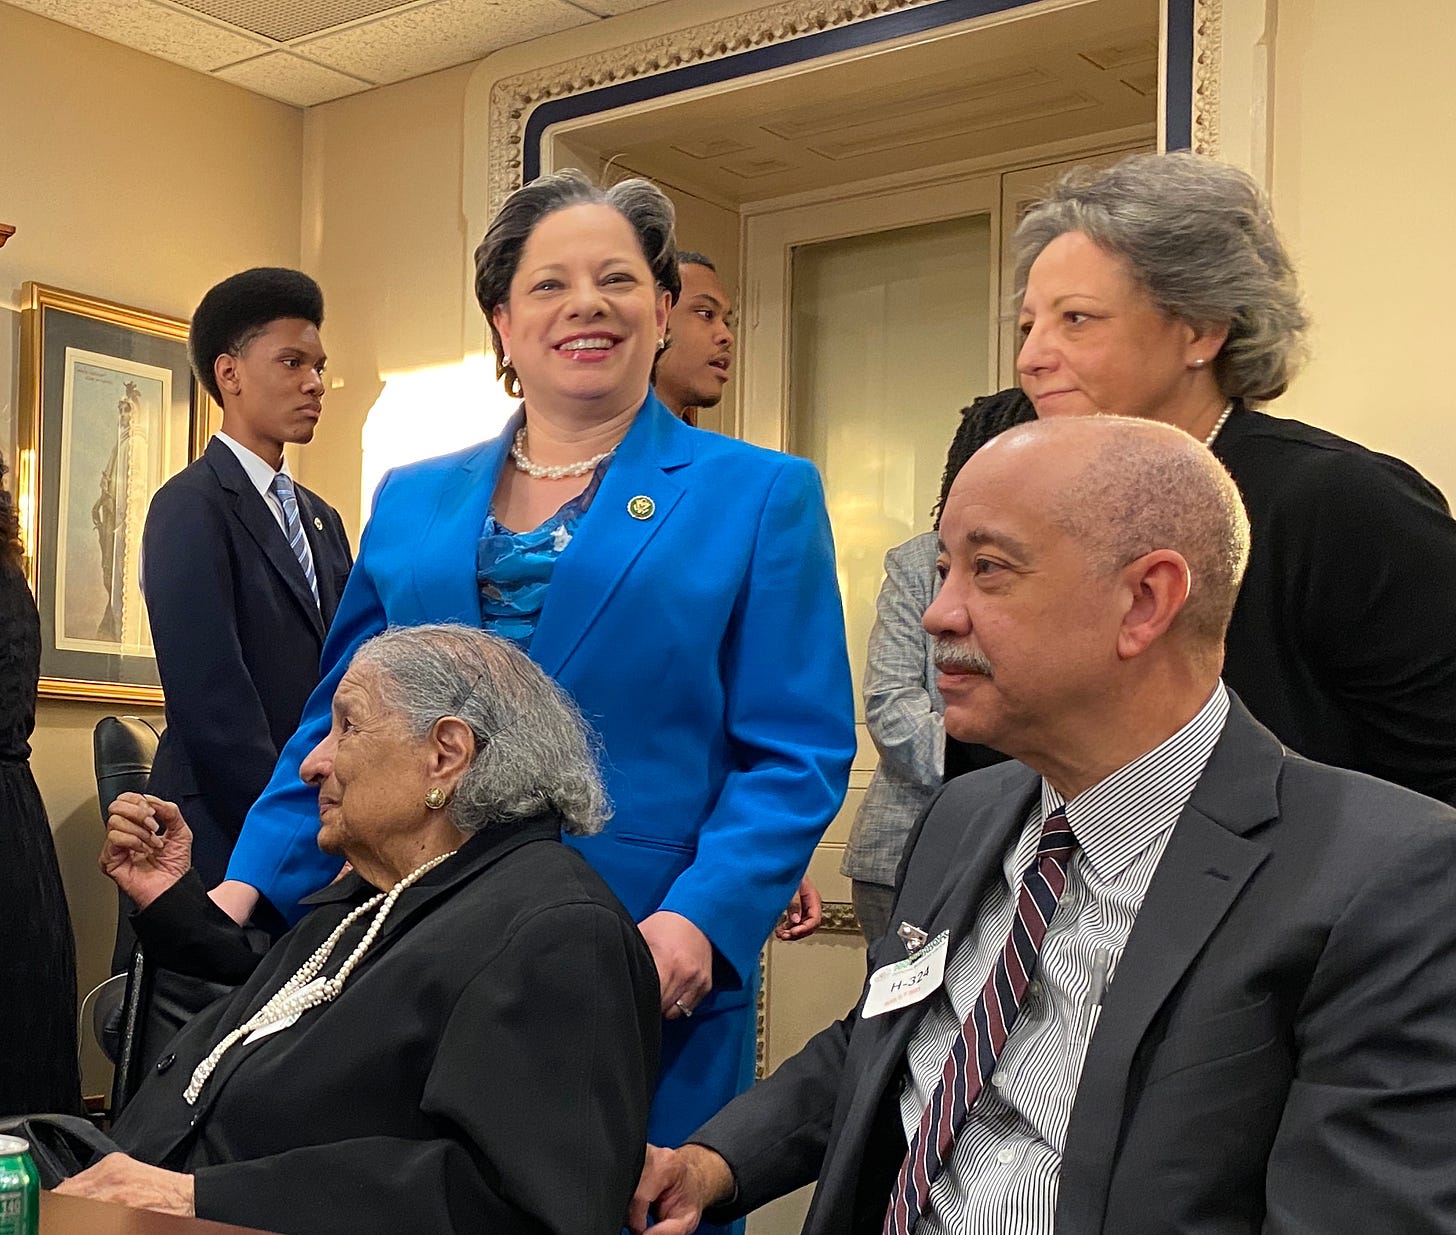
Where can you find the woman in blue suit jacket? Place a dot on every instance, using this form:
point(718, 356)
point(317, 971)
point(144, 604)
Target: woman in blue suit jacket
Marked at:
point(679, 584)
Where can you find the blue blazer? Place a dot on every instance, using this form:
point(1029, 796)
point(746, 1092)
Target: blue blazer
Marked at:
point(704, 641)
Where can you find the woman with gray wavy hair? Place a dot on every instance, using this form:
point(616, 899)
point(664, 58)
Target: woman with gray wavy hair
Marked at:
point(1160, 288)
point(678, 584)
point(533, 752)
point(373, 1061)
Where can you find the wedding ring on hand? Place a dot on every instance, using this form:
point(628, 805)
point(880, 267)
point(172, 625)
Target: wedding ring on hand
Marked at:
point(682, 1007)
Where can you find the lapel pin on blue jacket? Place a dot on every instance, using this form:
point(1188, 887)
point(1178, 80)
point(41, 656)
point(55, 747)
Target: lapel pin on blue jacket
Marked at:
point(641, 507)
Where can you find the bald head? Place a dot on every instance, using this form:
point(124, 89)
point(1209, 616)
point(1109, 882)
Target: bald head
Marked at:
point(1123, 488)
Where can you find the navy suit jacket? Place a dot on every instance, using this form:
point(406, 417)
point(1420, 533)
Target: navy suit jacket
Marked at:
point(237, 636)
point(1276, 1051)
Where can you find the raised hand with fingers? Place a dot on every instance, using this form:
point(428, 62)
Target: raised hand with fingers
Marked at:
point(148, 846)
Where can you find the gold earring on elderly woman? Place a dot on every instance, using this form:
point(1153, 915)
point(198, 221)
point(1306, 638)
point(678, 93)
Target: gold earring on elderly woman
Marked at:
point(434, 797)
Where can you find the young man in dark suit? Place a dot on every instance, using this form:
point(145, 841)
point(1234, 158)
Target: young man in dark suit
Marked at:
point(241, 566)
point(1159, 975)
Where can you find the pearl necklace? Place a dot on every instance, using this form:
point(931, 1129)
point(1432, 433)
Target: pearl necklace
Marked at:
point(540, 472)
point(302, 992)
point(1219, 423)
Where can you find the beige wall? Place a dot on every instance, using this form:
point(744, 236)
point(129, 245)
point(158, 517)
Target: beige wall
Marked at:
point(140, 182)
point(385, 235)
point(134, 179)
point(1363, 186)
point(1349, 127)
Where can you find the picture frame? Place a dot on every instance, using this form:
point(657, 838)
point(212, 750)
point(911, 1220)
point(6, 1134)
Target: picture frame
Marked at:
point(109, 410)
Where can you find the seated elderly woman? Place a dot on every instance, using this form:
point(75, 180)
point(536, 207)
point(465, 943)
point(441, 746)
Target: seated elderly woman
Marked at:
point(463, 1030)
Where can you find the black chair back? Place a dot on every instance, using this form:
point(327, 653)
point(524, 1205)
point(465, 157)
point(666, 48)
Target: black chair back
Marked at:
point(158, 1003)
point(123, 748)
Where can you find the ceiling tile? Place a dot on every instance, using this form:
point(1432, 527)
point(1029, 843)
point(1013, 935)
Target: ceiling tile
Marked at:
point(1121, 54)
point(152, 28)
point(611, 8)
point(291, 19)
point(1145, 82)
point(440, 34)
point(711, 147)
point(898, 131)
point(282, 76)
point(751, 169)
point(864, 105)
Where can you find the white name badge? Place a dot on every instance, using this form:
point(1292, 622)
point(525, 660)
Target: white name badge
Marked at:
point(908, 981)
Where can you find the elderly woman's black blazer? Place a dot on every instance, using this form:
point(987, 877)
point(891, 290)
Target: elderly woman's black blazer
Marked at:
point(487, 1067)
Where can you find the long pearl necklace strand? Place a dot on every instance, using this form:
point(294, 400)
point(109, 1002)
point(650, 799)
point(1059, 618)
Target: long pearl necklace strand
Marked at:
point(1219, 423)
point(540, 472)
point(301, 992)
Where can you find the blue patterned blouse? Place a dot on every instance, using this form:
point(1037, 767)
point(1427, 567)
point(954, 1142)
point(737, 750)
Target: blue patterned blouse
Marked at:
point(513, 569)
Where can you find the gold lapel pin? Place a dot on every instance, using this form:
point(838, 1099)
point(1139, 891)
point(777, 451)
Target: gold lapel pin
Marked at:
point(641, 507)
point(318, 523)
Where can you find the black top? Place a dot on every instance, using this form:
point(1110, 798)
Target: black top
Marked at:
point(19, 664)
point(38, 1070)
point(487, 1067)
point(1341, 641)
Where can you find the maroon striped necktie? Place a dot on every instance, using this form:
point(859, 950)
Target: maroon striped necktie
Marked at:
point(974, 1053)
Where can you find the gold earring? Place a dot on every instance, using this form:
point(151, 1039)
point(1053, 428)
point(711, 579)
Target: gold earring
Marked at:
point(435, 797)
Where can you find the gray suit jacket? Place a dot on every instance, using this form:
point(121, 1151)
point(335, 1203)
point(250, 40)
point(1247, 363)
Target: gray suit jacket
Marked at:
point(1276, 1053)
point(903, 712)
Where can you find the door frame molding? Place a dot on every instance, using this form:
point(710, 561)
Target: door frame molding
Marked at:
point(789, 35)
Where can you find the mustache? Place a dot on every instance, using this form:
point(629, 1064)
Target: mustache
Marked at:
point(952, 655)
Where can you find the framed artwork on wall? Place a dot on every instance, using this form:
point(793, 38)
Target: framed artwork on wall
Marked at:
point(109, 411)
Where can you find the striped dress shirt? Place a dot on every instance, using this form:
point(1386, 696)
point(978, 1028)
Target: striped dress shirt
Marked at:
point(1003, 1171)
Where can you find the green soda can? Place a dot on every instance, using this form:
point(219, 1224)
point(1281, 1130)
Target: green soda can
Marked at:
point(19, 1188)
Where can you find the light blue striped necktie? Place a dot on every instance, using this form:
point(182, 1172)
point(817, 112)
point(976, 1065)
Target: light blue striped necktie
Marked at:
point(293, 528)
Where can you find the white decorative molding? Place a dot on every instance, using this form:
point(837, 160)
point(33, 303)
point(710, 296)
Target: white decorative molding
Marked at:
point(512, 99)
point(1207, 74)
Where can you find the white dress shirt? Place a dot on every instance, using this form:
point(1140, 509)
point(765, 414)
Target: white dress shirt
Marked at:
point(1004, 1168)
point(260, 474)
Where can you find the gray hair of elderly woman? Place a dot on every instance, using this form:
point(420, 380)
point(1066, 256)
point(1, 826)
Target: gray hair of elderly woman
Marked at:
point(534, 754)
point(1200, 238)
point(645, 207)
